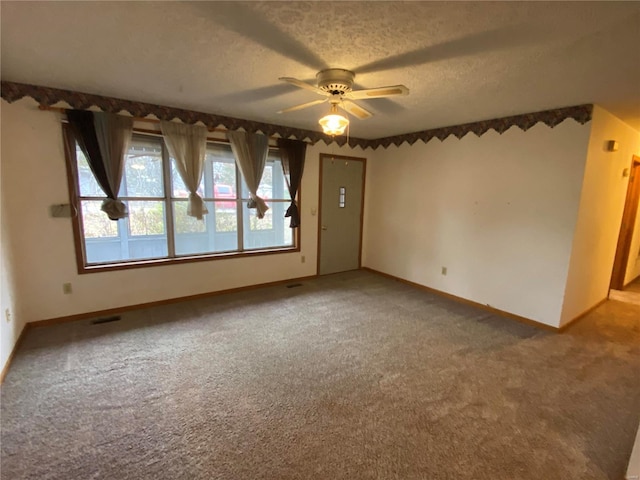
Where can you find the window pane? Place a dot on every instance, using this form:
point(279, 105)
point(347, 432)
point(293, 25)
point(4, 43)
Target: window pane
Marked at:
point(265, 190)
point(216, 232)
point(143, 234)
point(146, 218)
point(218, 179)
point(224, 175)
point(273, 184)
point(138, 237)
point(264, 223)
point(95, 222)
point(179, 189)
point(226, 218)
point(143, 169)
point(101, 240)
point(222, 191)
point(88, 185)
point(271, 231)
point(279, 188)
point(220, 172)
point(147, 225)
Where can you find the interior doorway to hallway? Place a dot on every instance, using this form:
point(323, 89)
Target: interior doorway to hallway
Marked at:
point(627, 227)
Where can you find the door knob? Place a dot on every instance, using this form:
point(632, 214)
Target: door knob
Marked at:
point(324, 227)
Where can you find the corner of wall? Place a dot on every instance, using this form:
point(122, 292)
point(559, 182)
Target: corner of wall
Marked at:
point(11, 322)
point(498, 210)
point(599, 214)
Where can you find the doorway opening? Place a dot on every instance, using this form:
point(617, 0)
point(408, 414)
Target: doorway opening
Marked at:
point(624, 252)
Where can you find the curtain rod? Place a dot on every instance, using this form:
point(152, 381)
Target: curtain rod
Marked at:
point(142, 119)
point(157, 133)
point(136, 119)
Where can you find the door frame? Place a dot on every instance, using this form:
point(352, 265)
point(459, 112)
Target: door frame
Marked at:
point(621, 260)
point(329, 156)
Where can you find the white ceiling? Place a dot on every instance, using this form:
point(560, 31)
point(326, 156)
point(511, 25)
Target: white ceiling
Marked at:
point(462, 61)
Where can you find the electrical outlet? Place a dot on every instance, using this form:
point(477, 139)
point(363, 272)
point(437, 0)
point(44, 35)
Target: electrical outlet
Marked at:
point(303, 259)
point(7, 315)
point(444, 270)
point(66, 288)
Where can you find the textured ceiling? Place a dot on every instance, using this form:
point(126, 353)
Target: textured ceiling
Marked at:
point(462, 61)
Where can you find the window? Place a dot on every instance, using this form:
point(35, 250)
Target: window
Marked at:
point(158, 227)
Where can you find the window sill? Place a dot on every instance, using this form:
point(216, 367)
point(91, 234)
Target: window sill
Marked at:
point(96, 268)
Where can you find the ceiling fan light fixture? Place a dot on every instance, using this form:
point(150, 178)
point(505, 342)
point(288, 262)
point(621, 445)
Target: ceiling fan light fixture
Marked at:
point(334, 124)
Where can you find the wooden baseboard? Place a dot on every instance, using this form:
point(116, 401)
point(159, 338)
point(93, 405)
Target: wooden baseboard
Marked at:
point(582, 315)
point(113, 311)
point(502, 313)
point(5, 369)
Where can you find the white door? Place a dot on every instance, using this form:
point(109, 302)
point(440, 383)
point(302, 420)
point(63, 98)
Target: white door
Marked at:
point(341, 202)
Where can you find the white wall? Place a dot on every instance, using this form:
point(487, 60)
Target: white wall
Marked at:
point(600, 215)
point(498, 211)
point(43, 248)
point(9, 329)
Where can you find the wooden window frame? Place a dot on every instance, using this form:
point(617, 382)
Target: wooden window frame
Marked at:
point(76, 220)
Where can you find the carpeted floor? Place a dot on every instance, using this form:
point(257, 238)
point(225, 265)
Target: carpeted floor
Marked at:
point(349, 376)
point(631, 293)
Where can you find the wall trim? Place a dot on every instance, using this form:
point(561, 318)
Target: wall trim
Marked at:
point(580, 113)
point(47, 96)
point(562, 328)
point(168, 301)
point(16, 345)
point(126, 308)
point(455, 298)
point(497, 311)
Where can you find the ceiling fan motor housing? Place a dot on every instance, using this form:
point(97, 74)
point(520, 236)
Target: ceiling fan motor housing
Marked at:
point(335, 81)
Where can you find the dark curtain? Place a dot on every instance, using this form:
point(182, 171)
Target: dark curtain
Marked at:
point(84, 131)
point(292, 153)
point(104, 139)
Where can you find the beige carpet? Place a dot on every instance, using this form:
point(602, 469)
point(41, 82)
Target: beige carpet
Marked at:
point(631, 294)
point(349, 376)
point(625, 296)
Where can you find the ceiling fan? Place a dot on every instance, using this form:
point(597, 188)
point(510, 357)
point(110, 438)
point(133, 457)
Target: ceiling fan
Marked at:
point(335, 84)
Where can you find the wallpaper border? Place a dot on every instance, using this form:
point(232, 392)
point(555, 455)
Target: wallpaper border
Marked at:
point(47, 96)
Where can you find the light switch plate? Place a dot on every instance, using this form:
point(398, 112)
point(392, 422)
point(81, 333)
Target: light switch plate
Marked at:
point(62, 210)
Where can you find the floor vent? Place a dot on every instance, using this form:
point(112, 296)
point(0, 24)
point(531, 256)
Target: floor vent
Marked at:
point(294, 285)
point(98, 321)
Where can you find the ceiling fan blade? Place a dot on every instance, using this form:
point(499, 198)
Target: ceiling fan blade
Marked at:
point(305, 85)
point(300, 107)
point(355, 109)
point(378, 92)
